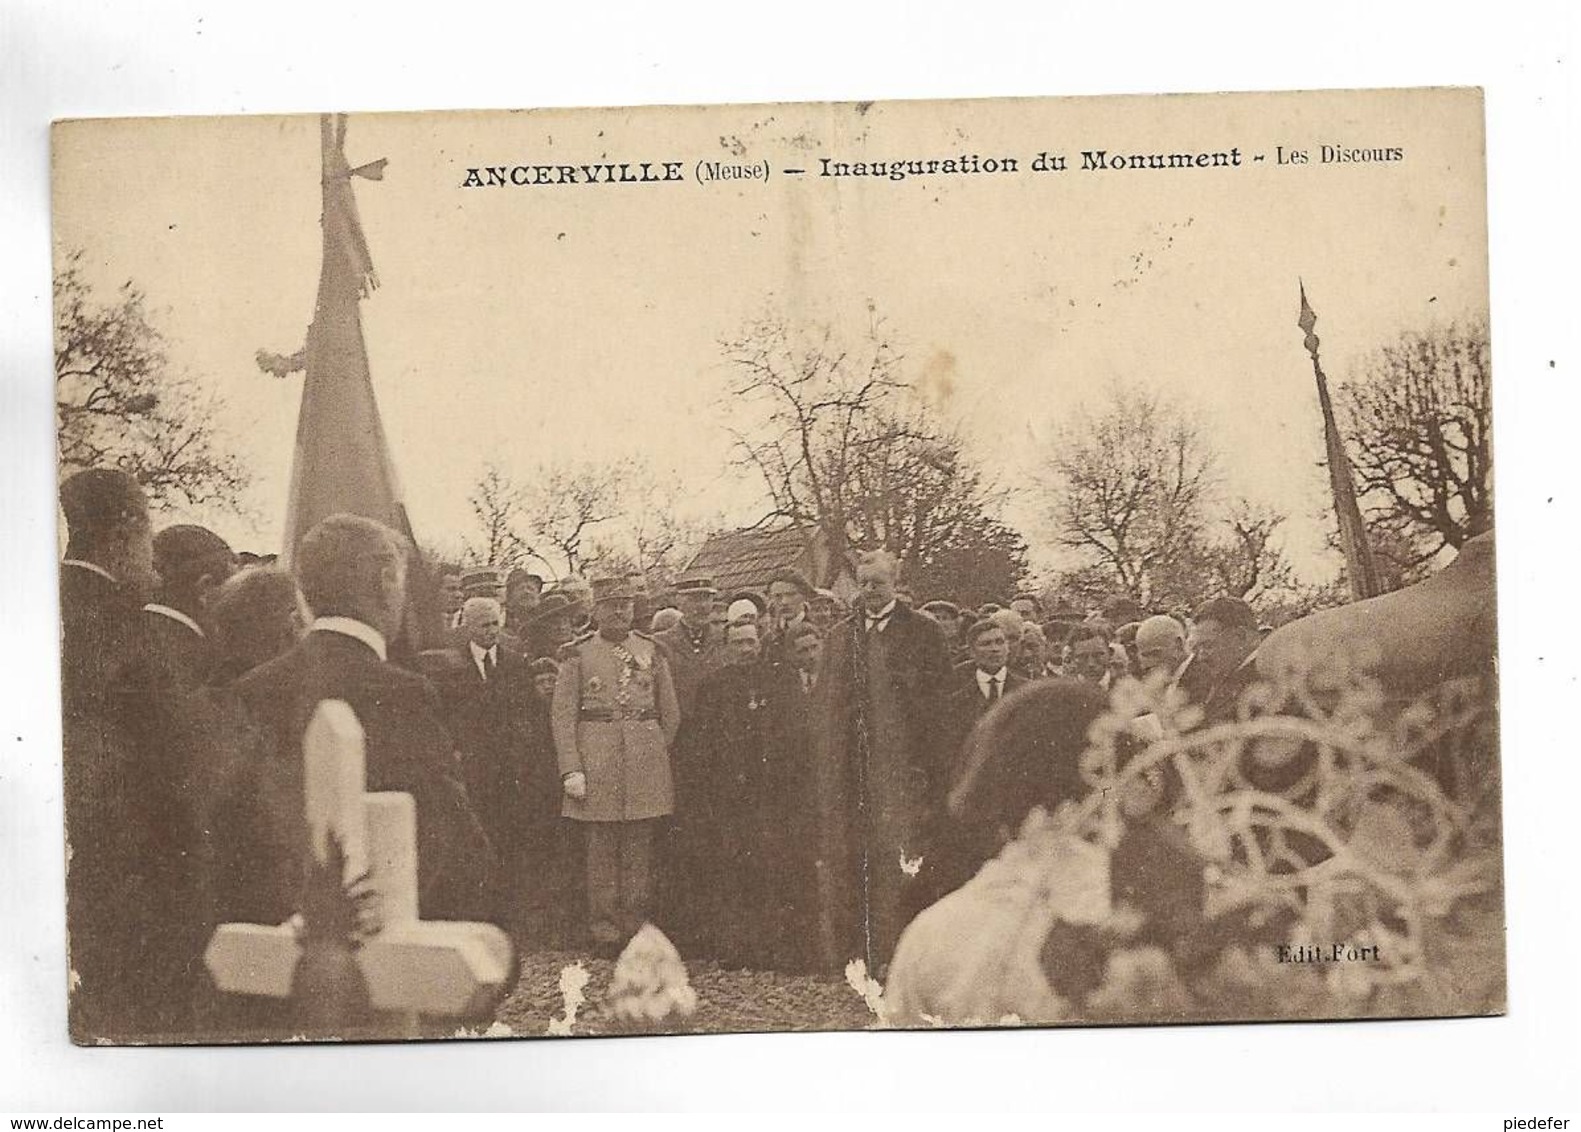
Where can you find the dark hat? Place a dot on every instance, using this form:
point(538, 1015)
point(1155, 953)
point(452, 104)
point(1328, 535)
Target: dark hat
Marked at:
point(185, 552)
point(552, 605)
point(978, 627)
point(1121, 610)
point(793, 576)
point(480, 578)
point(613, 589)
point(1063, 610)
point(939, 606)
point(544, 666)
point(697, 586)
point(519, 577)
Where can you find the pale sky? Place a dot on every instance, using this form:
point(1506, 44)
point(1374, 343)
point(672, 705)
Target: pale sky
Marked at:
point(521, 325)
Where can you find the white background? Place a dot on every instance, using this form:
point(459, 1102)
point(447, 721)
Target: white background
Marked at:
point(80, 59)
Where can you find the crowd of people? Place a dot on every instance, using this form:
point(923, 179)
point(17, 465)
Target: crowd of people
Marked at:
point(771, 776)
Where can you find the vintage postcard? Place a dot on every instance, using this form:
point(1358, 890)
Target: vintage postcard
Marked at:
point(781, 567)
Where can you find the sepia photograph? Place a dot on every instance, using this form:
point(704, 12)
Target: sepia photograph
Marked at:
point(801, 566)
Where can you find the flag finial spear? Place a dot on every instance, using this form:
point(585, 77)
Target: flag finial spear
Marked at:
point(1307, 321)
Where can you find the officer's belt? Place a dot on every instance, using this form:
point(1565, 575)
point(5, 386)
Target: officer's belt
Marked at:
point(614, 715)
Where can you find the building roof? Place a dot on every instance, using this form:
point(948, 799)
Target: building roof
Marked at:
point(746, 559)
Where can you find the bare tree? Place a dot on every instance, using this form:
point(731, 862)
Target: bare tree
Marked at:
point(1243, 557)
point(623, 517)
point(657, 535)
point(843, 448)
point(497, 507)
point(1136, 500)
point(810, 404)
point(1130, 488)
point(119, 401)
point(1418, 421)
point(565, 506)
point(917, 493)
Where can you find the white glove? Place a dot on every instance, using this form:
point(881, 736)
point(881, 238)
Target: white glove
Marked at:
point(575, 785)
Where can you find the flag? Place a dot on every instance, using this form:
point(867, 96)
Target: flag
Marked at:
point(1359, 561)
point(342, 461)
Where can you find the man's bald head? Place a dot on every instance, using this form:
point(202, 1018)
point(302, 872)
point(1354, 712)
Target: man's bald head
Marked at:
point(1160, 644)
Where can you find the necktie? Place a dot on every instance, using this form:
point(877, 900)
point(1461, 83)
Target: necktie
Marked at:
point(993, 689)
point(488, 666)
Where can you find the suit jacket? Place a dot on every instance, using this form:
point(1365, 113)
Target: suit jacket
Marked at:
point(733, 733)
point(775, 650)
point(689, 662)
point(262, 837)
point(183, 656)
point(953, 852)
point(101, 634)
point(491, 723)
point(962, 709)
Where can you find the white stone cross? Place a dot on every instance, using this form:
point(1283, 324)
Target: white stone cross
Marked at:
point(411, 966)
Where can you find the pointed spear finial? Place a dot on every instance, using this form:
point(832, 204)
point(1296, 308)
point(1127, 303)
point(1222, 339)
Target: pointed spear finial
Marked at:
point(1307, 321)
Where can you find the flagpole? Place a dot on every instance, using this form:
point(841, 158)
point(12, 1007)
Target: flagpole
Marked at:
point(1360, 564)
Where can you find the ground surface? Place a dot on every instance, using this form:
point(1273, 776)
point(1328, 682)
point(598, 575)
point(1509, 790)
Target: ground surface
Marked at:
point(727, 1000)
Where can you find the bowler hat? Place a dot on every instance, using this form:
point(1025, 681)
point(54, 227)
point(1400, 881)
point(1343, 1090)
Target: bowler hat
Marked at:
point(483, 578)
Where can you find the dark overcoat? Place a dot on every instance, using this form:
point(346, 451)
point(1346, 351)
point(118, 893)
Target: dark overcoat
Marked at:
point(875, 719)
point(123, 820)
point(260, 836)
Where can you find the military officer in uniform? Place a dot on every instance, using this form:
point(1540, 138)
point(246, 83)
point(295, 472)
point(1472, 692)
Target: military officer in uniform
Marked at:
point(691, 645)
point(614, 717)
